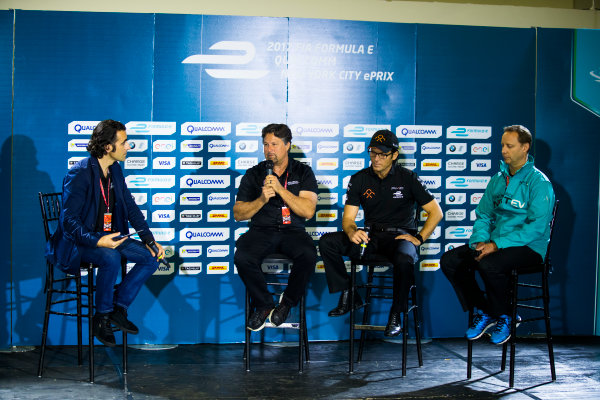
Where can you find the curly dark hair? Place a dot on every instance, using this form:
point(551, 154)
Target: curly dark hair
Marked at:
point(282, 131)
point(104, 133)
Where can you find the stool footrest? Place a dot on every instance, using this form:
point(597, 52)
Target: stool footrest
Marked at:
point(369, 327)
point(289, 325)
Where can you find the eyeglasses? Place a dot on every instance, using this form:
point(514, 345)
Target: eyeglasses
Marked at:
point(382, 156)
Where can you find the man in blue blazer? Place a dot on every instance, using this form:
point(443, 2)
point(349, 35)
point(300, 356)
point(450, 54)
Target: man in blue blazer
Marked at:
point(96, 208)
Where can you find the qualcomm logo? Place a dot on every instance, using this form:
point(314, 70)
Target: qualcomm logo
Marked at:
point(221, 146)
point(204, 181)
point(82, 127)
point(362, 130)
point(327, 198)
point(151, 128)
point(431, 182)
point(469, 132)
point(163, 163)
point(163, 216)
point(190, 199)
point(467, 182)
point(327, 181)
point(431, 148)
point(206, 128)
point(481, 165)
point(217, 250)
point(419, 131)
point(354, 147)
point(248, 53)
point(219, 198)
point(191, 146)
point(163, 199)
point(316, 130)
point(317, 232)
point(191, 251)
point(203, 234)
point(136, 162)
point(246, 146)
point(249, 128)
point(328, 147)
point(430, 248)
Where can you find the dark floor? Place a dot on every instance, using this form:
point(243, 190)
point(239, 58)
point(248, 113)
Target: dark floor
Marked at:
point(217, 371)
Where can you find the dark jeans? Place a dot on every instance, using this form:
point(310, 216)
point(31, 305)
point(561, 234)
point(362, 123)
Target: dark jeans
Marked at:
point(253, 246)
point(402, 253)
point(109, 267)
point(459, 266)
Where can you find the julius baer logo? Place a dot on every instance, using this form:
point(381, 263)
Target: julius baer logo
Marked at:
point(233, 53)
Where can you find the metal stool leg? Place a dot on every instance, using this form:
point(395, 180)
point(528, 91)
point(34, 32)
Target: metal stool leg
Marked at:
point(417, 322)
point(247, 332)
point(79, 319)
point(546, 300)
point(49, 291)
point(469, 348)
point(90, 316)
point(366, 311)
point(301, 334)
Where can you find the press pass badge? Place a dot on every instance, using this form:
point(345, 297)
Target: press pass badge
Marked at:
point(285, 214)
point(107, 222)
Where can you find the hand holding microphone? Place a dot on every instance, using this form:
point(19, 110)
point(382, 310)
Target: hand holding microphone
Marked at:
point(161, 258)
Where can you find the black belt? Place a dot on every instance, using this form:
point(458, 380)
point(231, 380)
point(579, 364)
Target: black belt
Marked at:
point(387, 229)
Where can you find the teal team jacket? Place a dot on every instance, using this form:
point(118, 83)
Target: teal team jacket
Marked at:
point(516, 210)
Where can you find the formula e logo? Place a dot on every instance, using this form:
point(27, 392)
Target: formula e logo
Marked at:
point(361, 130)
point(458, 232)
point(248, 53)
point(469, 132)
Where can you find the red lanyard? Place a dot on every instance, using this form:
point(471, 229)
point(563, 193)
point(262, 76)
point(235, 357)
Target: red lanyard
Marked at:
point(106, 196)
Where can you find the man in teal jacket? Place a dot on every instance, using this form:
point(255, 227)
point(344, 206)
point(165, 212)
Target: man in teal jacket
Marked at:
point(512, 230)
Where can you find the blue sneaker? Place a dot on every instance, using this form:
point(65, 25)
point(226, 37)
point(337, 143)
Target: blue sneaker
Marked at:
point(481, 323)
point(501, 332)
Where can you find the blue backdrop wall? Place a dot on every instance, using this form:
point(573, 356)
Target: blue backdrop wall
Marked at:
point(195, 91)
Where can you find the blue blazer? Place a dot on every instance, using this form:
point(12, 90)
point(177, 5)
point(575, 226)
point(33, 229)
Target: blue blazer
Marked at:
point(77, 222)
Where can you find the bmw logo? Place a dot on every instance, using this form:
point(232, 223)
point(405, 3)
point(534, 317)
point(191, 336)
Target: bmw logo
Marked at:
point(452, 199)
point(131, 145)
point(242, 146)
point(349, 147)
point(452, 148)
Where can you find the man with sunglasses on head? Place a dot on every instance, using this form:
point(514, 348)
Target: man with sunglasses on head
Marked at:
point(389, 195)
point(511, 231)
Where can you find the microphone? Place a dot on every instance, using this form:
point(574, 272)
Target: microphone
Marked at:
point(269, 166)
point(363, 245)
point(154, 248)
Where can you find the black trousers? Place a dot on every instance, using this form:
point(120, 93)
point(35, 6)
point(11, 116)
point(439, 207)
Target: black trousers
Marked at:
point(459, 266)
point(253, 246)
point(402, 253)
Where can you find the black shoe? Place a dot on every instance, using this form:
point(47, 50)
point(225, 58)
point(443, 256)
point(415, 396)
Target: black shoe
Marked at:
point(119, 319)
point(280, 313)
point(102, 329)
point(393, 327)
point(258, 319)
point(344, 304)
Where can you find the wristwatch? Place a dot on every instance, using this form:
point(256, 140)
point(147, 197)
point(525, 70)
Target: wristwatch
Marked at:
point(418, 236)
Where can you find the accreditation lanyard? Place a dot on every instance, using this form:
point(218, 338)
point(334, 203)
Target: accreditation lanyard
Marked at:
point(107, 225)
point(285, 211)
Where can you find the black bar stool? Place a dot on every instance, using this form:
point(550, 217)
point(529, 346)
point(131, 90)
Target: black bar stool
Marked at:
point(277, 290)
point(371, 263)
point(50, 204)
point(544, 269)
